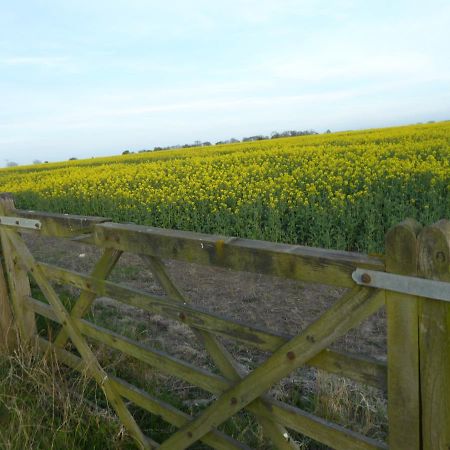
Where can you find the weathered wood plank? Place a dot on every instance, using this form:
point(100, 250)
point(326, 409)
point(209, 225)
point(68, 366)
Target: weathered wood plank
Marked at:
point(291, 417)
point(19, 289)
point(288, 261)
point(139, 397)
point(61, 225)
point(54, 224)
point(363, 369)
point(18, 282)
point(403, 341)
point(8, 338)
point(321, 430)
point(221, 357)
point(102, 269)
point(67, 322)
point(144, 400)
point(154, 358)
point(359, 368)
point(190, 315)
point(434, 263)
point(353, 308)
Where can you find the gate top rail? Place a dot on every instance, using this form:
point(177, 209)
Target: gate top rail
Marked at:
point(284, 260)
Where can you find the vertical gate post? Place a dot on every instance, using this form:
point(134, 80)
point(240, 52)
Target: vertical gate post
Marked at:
point(434, 263)
point(7, 325)
point(403, 340)
point(17, 279)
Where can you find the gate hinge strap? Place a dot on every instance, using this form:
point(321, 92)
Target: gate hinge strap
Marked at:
point(421, 287)
point(19, 222)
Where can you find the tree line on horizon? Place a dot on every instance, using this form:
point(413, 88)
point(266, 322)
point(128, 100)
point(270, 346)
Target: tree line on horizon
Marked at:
point(258, 137)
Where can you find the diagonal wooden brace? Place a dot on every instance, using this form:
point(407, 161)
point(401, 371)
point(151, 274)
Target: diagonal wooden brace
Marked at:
point(101, 271)
point(348, 312)
point(73, 332)
point(221, 357)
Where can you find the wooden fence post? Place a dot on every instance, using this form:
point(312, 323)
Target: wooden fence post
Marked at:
point(403, 341)
point(17, 277)
point(7, 325)
point(434, 263)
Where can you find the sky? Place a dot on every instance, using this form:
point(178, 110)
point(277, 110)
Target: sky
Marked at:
point(91, 78)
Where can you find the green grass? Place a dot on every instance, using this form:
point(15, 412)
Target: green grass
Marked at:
point(41, 408)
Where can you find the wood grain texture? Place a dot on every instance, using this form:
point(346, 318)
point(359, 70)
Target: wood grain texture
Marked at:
point(286, 415)
point(19, 289)
point(349, 311)
point(102, 270)
point(310, 264)
point(61, 225)
point(362, 369)
point(74, 333)
point(403, 341)
point(434, 263)
point(8, 337)
point(223, 360)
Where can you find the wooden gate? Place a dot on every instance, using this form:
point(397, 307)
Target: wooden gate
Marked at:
point(416, 376)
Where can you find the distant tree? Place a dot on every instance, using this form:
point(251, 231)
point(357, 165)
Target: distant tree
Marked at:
point(11, 164)
point(36, 161)
point(206, 144)
point(72, 159)
point(234, 141)
point(45, 162)
point(328, 131)
point(126, 152)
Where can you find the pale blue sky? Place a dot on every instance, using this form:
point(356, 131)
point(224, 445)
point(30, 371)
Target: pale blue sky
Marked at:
point(88, 78)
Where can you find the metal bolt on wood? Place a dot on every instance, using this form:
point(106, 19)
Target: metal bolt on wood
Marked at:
point(365, 278)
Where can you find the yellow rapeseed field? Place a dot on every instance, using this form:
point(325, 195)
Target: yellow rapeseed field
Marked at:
point(340, 190)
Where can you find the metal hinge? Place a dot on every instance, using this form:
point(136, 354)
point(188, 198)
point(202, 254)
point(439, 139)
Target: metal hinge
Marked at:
point(421, 287)
point(19, 222)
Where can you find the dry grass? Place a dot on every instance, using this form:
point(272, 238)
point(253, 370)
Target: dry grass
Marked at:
point(43, 406)
point(350, 404)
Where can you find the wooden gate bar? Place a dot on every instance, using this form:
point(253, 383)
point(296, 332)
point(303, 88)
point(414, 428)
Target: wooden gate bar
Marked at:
point(19, 289)
point(434, 339)
point(144, 400)
point(352, 309)
point(66, 321)
point(362, 369)
point(8, 338)
point(222, 358)
point(61, 225)
point(418, 333)
point(101, 271)
point(314, 265)
point(289, 416)
point(403, 341)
